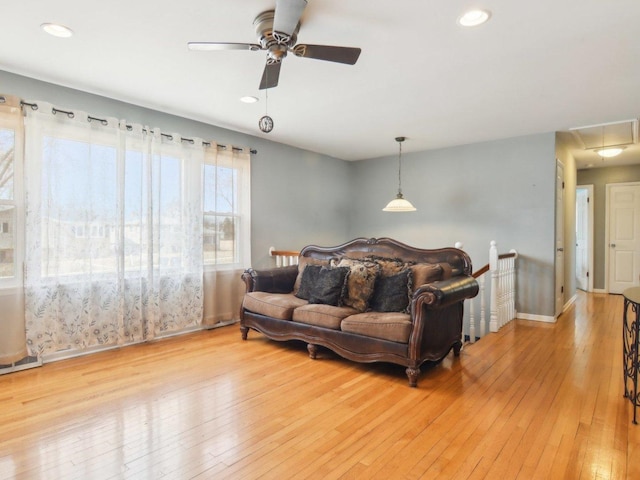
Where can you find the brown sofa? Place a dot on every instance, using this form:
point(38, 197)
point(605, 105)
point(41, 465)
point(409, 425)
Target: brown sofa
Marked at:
point(368, 300)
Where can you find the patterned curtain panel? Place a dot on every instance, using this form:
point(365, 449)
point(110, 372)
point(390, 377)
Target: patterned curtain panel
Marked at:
point(12, 336)
point(114, 232)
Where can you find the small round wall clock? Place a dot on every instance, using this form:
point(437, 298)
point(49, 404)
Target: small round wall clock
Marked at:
point(266, 124)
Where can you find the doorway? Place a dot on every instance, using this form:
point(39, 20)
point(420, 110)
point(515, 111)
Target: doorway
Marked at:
point(622, 252)
point(584, 237)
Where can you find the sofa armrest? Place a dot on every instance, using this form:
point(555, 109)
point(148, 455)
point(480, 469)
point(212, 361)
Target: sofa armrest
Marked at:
point(445, 292)
point(272, 280)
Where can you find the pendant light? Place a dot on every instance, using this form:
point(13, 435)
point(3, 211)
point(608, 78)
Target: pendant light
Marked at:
point(399, 204)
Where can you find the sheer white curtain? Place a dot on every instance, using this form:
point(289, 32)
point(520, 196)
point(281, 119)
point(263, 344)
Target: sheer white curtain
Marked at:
point(12, 336)
point(113, 232)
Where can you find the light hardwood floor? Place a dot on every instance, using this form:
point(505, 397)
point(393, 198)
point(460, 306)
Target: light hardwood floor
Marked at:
point(532, 401)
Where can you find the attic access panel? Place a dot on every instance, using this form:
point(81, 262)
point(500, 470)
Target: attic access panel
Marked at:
point(607, 134)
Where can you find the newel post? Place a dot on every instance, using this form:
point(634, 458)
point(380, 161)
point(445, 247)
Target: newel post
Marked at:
point(493, 267)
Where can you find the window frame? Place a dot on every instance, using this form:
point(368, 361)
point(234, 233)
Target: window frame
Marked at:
point(11, 119)
point(241, 213)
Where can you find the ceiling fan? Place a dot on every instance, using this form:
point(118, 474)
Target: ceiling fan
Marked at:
point(277, 31)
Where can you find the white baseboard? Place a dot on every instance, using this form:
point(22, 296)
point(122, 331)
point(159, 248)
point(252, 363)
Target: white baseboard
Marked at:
point(72, 353)
point(569, 303)
point(226, 323)
point(536, 318)
point(599, 290)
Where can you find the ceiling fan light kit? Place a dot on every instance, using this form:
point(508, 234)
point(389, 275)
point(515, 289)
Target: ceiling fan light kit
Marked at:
point(399, 204)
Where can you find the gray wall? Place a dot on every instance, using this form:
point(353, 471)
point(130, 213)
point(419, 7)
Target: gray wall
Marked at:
point(564, 144)
point(599, 178)
point(501, 190)
point(298, 197)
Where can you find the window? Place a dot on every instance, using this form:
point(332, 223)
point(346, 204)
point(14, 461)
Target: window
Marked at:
point(225, 211)
point(114, 233)
point(10, 163)
point(79, 189)
point(7, 203)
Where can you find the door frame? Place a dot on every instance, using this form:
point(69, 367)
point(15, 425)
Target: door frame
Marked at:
point(607, 249)
point(590, 233)
point(559, 241)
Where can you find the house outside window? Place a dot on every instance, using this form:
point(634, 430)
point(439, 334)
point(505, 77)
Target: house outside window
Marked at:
point(10, 149)
point(225, 212)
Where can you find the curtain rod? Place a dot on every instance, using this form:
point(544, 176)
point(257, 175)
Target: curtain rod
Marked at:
point(70, 114)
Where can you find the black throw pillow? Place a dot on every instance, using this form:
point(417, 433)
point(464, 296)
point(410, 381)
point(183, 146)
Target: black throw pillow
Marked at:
point(391, 294)
point(308, 280)
point(330, 286)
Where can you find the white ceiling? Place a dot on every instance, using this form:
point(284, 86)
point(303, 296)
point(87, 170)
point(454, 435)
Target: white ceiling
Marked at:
point(539, 66)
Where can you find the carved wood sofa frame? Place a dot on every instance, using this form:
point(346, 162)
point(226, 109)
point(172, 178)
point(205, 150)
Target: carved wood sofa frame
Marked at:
point(436, 308)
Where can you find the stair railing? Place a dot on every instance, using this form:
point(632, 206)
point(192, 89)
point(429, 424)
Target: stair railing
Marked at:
point(502, 296)
point(284, 258)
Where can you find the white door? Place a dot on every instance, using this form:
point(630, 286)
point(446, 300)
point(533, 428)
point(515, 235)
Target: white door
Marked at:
point(582, 238)
point(623, 236)
point(559, 238)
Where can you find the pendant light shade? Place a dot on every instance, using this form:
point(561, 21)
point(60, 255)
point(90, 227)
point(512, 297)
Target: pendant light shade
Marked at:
point(399, 204)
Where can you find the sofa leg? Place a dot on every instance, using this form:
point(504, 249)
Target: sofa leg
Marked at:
point(457, 347)
point(244, 331)
point(313, 350)
point(413, 374)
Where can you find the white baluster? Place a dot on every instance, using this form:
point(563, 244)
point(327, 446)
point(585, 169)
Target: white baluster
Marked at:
point(483, 307)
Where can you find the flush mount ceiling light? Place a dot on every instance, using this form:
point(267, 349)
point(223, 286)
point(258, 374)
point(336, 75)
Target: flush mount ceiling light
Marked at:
point(610, 152)
point(57, 30)
point(473, 18)
point(399, 204)
point(249, 99)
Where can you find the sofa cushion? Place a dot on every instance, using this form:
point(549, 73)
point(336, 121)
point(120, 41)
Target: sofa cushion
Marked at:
point(327, 316)
point(388, 266)
point(423, 273)
point(361, 282)
point(391, 294)
point(276, 305)
point(392, 326)
point(302, 264)
point(330, 286)
point(310, 276)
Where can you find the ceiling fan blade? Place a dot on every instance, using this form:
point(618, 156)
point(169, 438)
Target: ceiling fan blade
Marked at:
point(270, 75)
point(287, 15)
point(206, 46)
point(329, 53)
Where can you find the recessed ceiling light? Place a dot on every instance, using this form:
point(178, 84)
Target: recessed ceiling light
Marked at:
point(473, 18)
point(249, 99)
point(609, 152)
point(57, 30)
